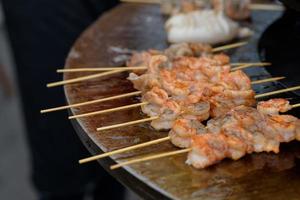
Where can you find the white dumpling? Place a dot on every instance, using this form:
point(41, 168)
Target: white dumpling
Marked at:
point(207, 26)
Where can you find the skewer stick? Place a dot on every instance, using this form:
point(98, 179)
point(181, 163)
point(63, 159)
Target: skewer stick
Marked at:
point(156, 117)
point(296, 105)
point(145, 144)
point(94, 69)
point(252, 6)
point(274, 7)
point(127, 123)
point(92, 102)
point(145, 103)
point(100, 69)
point(83, 78)
point(108, 110)
point(267, 80)
point(245, 63)
point(250, 65)
point(229, 46)
point(277, 92)
point(128, 95)
point(147, 158)
point(171, 153)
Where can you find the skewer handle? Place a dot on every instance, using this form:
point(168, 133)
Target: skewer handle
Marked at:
point(296, 105)
point(277, 92)
point(100, 69)
point(267, 80)
point(247, 65)
point(108, 110)
point(127, 123)
point(150, 158)
point(123, 150)
point(83, 78)
point(229, 46)
point(254, 6)
point(92, 102)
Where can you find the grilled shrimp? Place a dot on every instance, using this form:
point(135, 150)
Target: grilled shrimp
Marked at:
point(198, 111)
point(274, 106)
point(168, 113)
point(156, 96)
point(207, 149)
point(237, 80)
point(144, 82)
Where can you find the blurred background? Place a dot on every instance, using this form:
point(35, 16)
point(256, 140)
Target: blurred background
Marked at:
point(15, 180)
point(14, 163)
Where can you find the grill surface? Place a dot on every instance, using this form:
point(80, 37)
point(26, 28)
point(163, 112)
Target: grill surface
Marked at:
point(136, 26)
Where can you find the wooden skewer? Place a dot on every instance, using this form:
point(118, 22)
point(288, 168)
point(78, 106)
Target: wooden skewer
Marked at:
point(100, 69)
point(145, 144)
point(296, 105)
point(94, 69)
point(124, 150)
point(171, 153)
point(277, 92)
point(229, 46)
point(83, 78)
point(145, 103)
point(267, 80)
point(108, 110)
point(254, 6)
point(156, 117)
point(92, 102)
point(127, 123)
point(142, 68)
point(127, 95)
point(250, 65)
point(152, 157)
point(245, 63)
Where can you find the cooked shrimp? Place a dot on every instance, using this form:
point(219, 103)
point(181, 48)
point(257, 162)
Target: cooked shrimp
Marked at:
point(139, 59)
point(178, 50)
point(285, 125)
point(207, 149)
point(181, 132)
point(156, 96)
point(221, 59)
point(156, 63)
point(273, 106)
point(237, 80)
point(168, 113)
point(198, 111)
point(144, 82)
point(173, 86)
point(200, 49)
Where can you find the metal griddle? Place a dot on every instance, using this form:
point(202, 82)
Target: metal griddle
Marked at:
point(138, 26)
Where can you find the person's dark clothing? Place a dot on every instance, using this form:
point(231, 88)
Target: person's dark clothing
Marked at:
point(41, 34)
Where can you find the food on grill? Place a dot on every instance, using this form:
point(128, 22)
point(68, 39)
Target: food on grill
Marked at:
point(192, 87)
point(205, 26)
point(243, 130)
point(213, 25)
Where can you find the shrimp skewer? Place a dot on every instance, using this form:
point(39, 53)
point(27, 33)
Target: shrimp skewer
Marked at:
point(242, 131)
point(183, 130)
